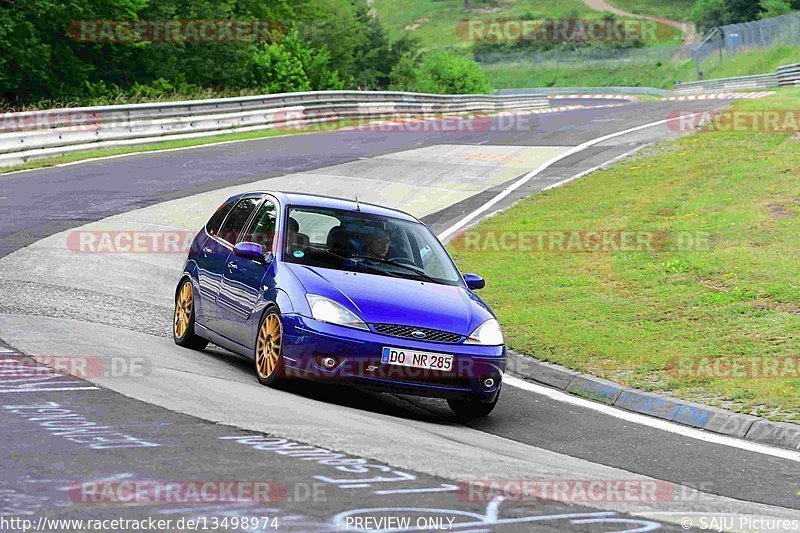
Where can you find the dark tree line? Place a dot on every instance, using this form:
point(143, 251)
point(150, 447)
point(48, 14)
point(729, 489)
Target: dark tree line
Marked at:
point(711, 13)
point(47, 53)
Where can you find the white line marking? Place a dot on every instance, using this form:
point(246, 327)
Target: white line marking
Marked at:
point(544, 166)
point(3, 391)
point(443, 488)
point(598, 167)
point(649, 421)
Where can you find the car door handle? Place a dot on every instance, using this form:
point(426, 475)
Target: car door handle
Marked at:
point(207, 250)
point(233, 265)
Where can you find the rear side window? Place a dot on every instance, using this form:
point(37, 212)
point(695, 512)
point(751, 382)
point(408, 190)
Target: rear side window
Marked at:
point(236, 220)
point(212, 227)
point(262, 230)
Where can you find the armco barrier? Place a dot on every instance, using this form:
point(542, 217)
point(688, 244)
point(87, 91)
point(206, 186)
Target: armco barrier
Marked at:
point(759, 81)
point(784, 76)
point(627, 91)
point(789, 75)
point(37, 134)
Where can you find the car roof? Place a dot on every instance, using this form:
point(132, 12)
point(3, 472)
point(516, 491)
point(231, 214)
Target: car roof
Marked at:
point(332, 202)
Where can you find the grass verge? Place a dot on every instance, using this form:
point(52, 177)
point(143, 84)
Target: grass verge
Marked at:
point(662, 75)
point(753, 62)
point(661, 319)
point(519, 76)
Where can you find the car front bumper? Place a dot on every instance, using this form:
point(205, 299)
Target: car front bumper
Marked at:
point(357, 353)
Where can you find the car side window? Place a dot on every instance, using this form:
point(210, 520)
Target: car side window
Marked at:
point(262, 230)
point(214, 223)
point(236, 220)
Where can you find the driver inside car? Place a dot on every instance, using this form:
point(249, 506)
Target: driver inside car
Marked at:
point(378, 245)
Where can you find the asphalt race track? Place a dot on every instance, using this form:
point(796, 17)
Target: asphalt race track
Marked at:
point(331, 456)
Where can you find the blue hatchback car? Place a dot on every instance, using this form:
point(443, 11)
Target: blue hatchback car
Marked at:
point(328, 288)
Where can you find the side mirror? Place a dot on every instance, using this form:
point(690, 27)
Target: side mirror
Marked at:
point(474, 281)
point(249, 250)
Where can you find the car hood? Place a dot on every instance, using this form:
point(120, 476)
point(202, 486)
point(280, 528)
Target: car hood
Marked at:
point(389, 300)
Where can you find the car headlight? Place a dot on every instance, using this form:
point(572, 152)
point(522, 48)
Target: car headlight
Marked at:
point(487, 334)
point(326, 310)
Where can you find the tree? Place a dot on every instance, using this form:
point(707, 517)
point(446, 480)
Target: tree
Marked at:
point(743, 10)
point(441, 72)
point(708, 14)
point(291, 65)
point(774, 8)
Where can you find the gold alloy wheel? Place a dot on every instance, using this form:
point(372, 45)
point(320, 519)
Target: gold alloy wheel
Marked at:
point(268, 347)
point(183, 310)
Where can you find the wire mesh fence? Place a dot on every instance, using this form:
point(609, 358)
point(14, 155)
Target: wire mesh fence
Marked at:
point(727, 41)
point(718, 45)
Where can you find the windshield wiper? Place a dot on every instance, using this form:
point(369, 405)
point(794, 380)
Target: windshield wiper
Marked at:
point(361, 264)
point(415, 270)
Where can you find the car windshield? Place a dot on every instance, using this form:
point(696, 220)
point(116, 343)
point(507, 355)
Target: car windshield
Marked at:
point(361, 242)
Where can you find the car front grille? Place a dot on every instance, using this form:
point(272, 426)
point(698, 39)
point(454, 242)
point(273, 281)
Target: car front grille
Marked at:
point(407, 332)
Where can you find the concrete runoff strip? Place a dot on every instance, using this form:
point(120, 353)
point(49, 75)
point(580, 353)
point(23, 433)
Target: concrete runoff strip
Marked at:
point(694, 415)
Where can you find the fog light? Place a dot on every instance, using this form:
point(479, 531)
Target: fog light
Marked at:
point(488, 383)
point(329, 363)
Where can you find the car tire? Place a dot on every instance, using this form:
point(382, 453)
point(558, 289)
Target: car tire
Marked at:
point(183, 319)
point(268, 353)
point(466, 410)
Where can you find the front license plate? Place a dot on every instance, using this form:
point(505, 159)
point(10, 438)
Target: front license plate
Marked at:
point(414, 359)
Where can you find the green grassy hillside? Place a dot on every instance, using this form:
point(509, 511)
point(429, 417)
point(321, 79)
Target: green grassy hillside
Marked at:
point(435, 22)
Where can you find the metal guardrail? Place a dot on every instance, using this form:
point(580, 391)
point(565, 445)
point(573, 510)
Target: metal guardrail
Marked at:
point(786, 75)
point(789, 75)
point(633, 91)
point(759, 81)
point(48, 133)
